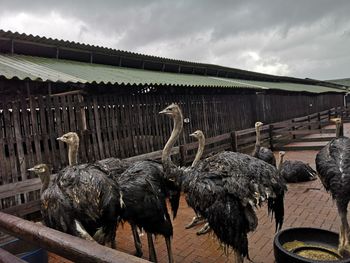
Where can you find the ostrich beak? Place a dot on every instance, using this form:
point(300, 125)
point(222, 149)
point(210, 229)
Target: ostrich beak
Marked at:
point(192, 135)
point(60, 139)
point(31, 169)
point(163, 112)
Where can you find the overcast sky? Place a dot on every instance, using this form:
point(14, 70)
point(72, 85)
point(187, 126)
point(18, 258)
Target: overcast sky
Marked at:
point(300, 38)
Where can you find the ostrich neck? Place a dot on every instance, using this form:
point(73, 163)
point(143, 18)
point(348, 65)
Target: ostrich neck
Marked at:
point(257, 142)
point(73, 154)
point(178, 125)
point(45, 180)
point(279, 165)
point(201, 143)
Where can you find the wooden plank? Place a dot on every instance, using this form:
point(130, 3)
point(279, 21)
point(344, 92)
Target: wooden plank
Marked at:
point(71, 114)
point(298, 148)
point(40, 134)
point(98, 127)
point(61, 155)
point(23, 209)
point(19, 140)
point(93, 150)
point(305, 132)
point(7, 257)
point(70, 247)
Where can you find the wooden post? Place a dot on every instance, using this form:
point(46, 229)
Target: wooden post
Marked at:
point(271, 136)
point(234, 141)
point(70, 247)
point(319, 120)
point(82, 112)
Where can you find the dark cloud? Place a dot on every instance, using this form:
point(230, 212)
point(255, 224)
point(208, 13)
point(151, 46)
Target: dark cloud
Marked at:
point(289, 37)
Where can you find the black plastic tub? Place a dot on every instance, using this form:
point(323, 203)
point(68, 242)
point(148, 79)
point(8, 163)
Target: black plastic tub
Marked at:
point(311, 236)
point(26, 251)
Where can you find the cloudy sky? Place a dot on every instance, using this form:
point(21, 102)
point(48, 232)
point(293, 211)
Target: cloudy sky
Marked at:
point(300, 38)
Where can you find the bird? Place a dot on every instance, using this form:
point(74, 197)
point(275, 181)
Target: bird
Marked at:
point(333, 168)
point(94, 196)
point(261, 152)
point(295, 171)
point(145, 190)
point(56, 210)
point(198, 135)
point(225, 188)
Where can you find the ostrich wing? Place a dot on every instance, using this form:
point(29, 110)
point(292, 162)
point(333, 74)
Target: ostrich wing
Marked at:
point(333, 166)
point(56, 209)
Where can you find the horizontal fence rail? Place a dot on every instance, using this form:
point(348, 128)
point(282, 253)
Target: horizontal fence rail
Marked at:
point(70, 247)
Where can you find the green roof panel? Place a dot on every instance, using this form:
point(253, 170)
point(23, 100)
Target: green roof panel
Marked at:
point(59, 70)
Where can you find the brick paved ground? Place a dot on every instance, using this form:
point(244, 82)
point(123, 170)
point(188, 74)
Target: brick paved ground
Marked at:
point(303, 207)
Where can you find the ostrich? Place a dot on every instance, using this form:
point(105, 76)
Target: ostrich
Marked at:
point(199, 135)
point(145, 190)
point(225, 188)
point(93, 195)
point(261, 152)
point(295, 171)
point(56, 209)
point(333, 167)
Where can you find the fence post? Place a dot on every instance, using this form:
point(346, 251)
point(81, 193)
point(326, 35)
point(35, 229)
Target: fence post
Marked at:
point(319, 120)
point(271, 136)
point(234, 141)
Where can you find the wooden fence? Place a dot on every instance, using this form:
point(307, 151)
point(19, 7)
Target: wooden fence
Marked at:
point(121, 126)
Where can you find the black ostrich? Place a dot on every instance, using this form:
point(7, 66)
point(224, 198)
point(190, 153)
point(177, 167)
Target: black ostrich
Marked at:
point(199, 135)
point(333, 167)
point(261, 152)
point(94, 196)
point(295, 171)
point(225, 188)
point(145, 189)
point(56, 209)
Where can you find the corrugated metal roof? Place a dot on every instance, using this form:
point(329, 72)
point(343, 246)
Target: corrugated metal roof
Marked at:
point(58, 70)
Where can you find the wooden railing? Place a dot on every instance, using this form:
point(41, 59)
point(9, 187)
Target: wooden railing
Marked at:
point(70, 247)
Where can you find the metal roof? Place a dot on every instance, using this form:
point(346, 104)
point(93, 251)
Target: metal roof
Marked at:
point(67, 71)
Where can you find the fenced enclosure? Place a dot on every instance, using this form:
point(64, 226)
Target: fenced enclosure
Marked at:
point(127, 126)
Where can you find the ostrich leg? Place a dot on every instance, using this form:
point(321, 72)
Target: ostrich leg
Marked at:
point(82, 232)
point(152, 251)
point(205, 229)
point(137, 241)
point(344, 247)
point(170, 252)
point(195, 221)
point(237, 258)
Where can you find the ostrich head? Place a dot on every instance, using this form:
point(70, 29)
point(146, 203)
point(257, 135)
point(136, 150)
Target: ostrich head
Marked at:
point(199, 135)
point(43, 171)
point(72, 140)
point(338, 123)
point(258, 124)
point(174, 112)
